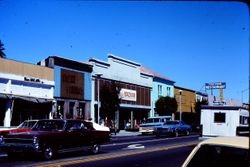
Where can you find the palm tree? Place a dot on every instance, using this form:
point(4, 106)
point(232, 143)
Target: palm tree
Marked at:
point(2, 54)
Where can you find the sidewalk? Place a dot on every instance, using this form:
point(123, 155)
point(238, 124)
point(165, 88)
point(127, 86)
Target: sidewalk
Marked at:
point(126, 133)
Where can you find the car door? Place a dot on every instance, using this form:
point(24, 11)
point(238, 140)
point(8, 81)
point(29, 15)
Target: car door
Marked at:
point(75, 134)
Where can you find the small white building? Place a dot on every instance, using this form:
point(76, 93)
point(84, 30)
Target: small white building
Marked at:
point(224, 121)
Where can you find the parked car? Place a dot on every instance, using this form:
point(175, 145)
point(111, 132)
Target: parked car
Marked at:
point(174, 128)
point(25, 126)
point(220, 151)
point(49, 137)
point(151, 123)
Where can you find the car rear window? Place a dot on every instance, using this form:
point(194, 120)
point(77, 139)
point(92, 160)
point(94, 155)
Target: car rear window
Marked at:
point(211, 155)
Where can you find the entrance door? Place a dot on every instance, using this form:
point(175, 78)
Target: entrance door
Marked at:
point(220, 123)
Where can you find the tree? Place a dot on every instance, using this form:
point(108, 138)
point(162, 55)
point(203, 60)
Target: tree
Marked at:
point(2, 54)
point(166, 105)
point(110, 102)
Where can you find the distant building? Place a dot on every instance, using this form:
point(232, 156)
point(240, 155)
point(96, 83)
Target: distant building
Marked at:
point(214, 100)
point(186, 99)
point(162, 86)
point(72, 87)
point(135, 88)
point(26, 92)
point(200, 96)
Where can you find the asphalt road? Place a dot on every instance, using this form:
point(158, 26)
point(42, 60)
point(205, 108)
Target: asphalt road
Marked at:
point(160, 158)
point(124, 151)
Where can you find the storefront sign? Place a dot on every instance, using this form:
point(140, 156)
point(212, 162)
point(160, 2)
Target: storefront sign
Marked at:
point(128, 94)
point(72, 84)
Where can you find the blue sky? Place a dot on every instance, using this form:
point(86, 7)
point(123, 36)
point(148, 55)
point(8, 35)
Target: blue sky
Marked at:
point(192, 43)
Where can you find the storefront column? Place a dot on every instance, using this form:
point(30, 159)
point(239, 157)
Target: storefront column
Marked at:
point(117, 117)
point(53, 112)
point(76, 110)
point(132, 119)
point(87, 113)
point(65, 109)
point(8, 112)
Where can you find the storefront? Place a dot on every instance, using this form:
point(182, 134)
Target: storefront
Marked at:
point(26, 92)
point(72, 87)
point(132, 86)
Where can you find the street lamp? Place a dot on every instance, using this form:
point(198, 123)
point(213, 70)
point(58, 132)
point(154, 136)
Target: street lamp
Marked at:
point(98, 76)
point(180, 92)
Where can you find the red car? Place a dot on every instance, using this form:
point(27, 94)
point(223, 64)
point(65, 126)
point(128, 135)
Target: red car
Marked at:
point(49, 137)
point(23, 127)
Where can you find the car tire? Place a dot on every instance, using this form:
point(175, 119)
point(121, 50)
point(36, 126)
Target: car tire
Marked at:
point(176, 133)
point(48, 153)
point(95, 149)
point(187, 133)
point(157, 135)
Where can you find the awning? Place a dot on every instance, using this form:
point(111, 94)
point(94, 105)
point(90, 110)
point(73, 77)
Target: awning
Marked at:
point(26, 98)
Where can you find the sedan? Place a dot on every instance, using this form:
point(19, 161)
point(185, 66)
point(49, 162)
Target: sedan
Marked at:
point(220, 151)
point(173, 128)
point(23, 127)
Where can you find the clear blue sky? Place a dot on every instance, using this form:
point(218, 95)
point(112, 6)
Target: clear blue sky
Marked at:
point(191, 43)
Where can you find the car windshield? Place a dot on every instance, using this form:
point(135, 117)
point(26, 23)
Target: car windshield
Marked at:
point(27, 124)
point(49, 125)
point(152, 120)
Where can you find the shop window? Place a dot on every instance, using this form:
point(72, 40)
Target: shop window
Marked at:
point(219, 117)
point(159, 90)
point(243, 120)
point(168, 91)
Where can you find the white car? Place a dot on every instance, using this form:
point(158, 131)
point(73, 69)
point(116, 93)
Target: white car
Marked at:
point(153, 122)
point(220, 151)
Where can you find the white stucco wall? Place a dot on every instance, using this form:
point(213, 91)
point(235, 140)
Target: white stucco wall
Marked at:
point(16, 85)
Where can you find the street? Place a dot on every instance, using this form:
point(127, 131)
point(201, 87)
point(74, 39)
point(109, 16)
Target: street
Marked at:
point(121, 151)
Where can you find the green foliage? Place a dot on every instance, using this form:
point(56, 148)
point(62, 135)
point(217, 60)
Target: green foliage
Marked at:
point(2, 54)
point(166, 105)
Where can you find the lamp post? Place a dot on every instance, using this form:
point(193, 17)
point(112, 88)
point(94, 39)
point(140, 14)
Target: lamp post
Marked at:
point(98, 76)
point(180, 92)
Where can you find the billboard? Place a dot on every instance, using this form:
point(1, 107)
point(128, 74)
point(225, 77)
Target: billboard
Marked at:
point(215, 85)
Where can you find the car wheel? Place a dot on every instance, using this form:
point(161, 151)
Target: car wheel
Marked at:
point(48, 153)
point(157, 135)
point(187, 132)
point(176, 133)
point(95, 148)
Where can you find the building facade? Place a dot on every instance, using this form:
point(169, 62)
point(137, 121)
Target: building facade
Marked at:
point(162, 86)
point(26, 92)
point(134, 89)
point(186, 99)
point(200, 96)
point(72, 92)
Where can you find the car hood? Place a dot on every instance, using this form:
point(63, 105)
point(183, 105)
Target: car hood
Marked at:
point(151, 124)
